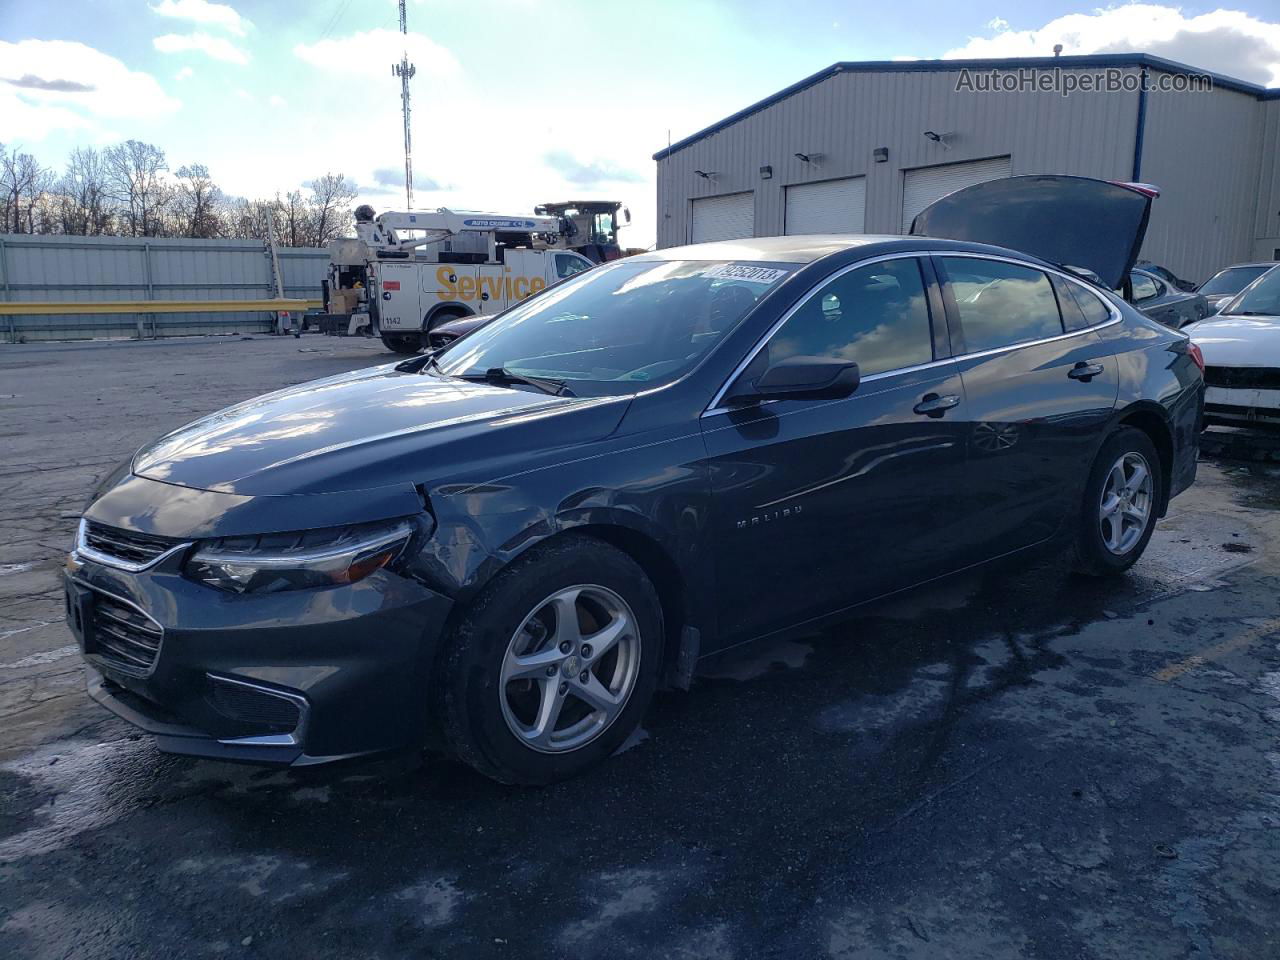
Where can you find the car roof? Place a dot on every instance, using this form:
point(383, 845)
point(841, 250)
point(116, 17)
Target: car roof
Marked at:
point(810, 247)
point(1255, 263)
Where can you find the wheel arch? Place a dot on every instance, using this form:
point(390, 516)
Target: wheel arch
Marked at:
point(453, 309)
point(1151, 419)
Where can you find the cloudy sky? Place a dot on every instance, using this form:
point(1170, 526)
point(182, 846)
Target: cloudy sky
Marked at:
point(515, 101)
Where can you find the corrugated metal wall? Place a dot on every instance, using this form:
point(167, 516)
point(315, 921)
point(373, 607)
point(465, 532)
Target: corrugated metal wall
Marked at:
point(1203, 150)
point(89, 269)
point(845, 118)
point(1215, 155)
point(1267, 221)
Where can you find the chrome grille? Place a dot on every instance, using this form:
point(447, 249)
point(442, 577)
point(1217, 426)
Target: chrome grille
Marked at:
point(124, 546)
point(124, 636)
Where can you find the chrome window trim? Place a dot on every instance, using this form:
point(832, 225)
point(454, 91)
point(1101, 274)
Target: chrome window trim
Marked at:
point(714, 408)
point(293, 739)
point(82, 550)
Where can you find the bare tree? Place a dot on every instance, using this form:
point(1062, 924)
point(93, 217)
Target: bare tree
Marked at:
point(296, 216)
point(81, 204)
point(254, 218)
point(134, 172)
point(24, 182)
point(196, 202)
point(330, 202)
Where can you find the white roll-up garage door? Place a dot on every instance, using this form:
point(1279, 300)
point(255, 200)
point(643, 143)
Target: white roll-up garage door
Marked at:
point(924, 185)
point(730, 217)
point(832, 206)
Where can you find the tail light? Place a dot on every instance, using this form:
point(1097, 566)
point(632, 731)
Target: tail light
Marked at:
point(1197, 356)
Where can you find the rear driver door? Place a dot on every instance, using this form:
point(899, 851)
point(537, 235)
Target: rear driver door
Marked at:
point(1041, 387)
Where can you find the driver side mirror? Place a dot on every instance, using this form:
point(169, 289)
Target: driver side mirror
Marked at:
point(799, 378)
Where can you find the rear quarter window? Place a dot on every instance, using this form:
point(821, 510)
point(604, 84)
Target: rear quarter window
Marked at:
point(1080, 307)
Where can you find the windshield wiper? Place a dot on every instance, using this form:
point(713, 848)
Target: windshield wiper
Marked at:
point(419, 363)
point(503, 377)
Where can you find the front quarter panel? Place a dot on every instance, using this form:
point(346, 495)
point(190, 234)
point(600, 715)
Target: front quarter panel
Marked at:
point(653, 485)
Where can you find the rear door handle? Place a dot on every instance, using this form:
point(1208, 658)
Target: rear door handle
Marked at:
point(1085, 371)
point(932, 405)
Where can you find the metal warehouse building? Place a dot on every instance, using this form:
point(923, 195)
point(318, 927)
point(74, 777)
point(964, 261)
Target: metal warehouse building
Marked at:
point(863, 147)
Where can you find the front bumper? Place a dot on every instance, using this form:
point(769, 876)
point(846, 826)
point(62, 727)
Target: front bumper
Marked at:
point(289, 678)
point(1242, 407)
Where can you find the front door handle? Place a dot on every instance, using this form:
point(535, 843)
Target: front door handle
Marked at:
point(1085, 371)
point(932, 405)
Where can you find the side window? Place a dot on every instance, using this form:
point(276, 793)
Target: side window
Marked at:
point(1001, 304)
point(1144, 288)
point(1090, 303)
point(567, 265)
point(876, 316)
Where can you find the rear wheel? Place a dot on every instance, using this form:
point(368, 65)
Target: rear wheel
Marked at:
point(553, 665)
point(1124, 491)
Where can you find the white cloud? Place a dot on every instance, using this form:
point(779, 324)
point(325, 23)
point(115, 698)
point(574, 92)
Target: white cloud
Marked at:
point(205, 13)
point(49, 85)
point(184, 74)
point(219, 48)
point(371, 52)
point(277, 101)
point(1227, 41)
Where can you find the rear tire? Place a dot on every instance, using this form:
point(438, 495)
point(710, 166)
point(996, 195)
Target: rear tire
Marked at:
point(1118, 517)
point(497, 722)
point(403, 343)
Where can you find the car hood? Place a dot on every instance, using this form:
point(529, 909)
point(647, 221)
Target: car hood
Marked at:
point(1075, 221)
point(1230, 341)
point(373, 428)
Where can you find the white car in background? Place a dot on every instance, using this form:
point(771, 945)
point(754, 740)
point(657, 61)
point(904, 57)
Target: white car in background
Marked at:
point(1241, 347)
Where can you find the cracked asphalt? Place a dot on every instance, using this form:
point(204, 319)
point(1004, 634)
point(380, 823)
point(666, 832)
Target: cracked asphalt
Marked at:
point(1017, 763)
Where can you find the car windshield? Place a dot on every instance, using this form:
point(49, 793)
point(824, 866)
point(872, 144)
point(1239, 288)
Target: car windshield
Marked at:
point(620, 327)
point(1260, 300)
point(1233, 279)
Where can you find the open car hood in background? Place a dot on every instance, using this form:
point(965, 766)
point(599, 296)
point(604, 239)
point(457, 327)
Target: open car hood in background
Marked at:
point(1074, 221)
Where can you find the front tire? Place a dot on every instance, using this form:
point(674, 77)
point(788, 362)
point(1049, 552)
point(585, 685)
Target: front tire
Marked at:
point(402, 343)
point(1125, 489)
point(553, 665)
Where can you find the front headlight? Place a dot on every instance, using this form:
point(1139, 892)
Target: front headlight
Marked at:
point(295, 561)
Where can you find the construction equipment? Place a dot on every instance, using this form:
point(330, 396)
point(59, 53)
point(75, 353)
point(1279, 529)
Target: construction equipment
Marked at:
point(595, 225)
point(407, 272)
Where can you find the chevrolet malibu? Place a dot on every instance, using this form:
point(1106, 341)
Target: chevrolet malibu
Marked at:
point(503, 548)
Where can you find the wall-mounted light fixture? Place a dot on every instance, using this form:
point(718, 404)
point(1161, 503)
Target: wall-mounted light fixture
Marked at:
point(766, 172)
point(880, 154)
point(704, 174)
point(939, 138)
point(804, 157)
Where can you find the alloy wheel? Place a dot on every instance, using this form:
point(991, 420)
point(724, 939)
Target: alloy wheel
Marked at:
point(1125, 508)
point(570, 668)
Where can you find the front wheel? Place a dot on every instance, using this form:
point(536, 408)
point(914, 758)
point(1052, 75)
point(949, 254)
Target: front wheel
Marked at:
point(1120, 503)
point(553, 665)
point(402, 343)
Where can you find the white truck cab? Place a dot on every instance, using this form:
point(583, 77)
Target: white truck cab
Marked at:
point(422, 269)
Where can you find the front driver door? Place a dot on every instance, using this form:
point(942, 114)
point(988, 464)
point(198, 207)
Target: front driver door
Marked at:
point(820, 504)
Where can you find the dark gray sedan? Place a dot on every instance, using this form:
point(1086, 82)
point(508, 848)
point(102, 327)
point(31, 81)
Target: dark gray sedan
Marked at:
point(1167, 304)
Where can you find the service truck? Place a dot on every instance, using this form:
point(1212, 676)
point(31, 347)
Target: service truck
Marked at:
point(408, 272)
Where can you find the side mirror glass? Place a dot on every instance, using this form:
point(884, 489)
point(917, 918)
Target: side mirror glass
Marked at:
point(797, 378)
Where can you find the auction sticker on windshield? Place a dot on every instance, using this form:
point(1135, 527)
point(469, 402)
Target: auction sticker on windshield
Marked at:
point(745, 271)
